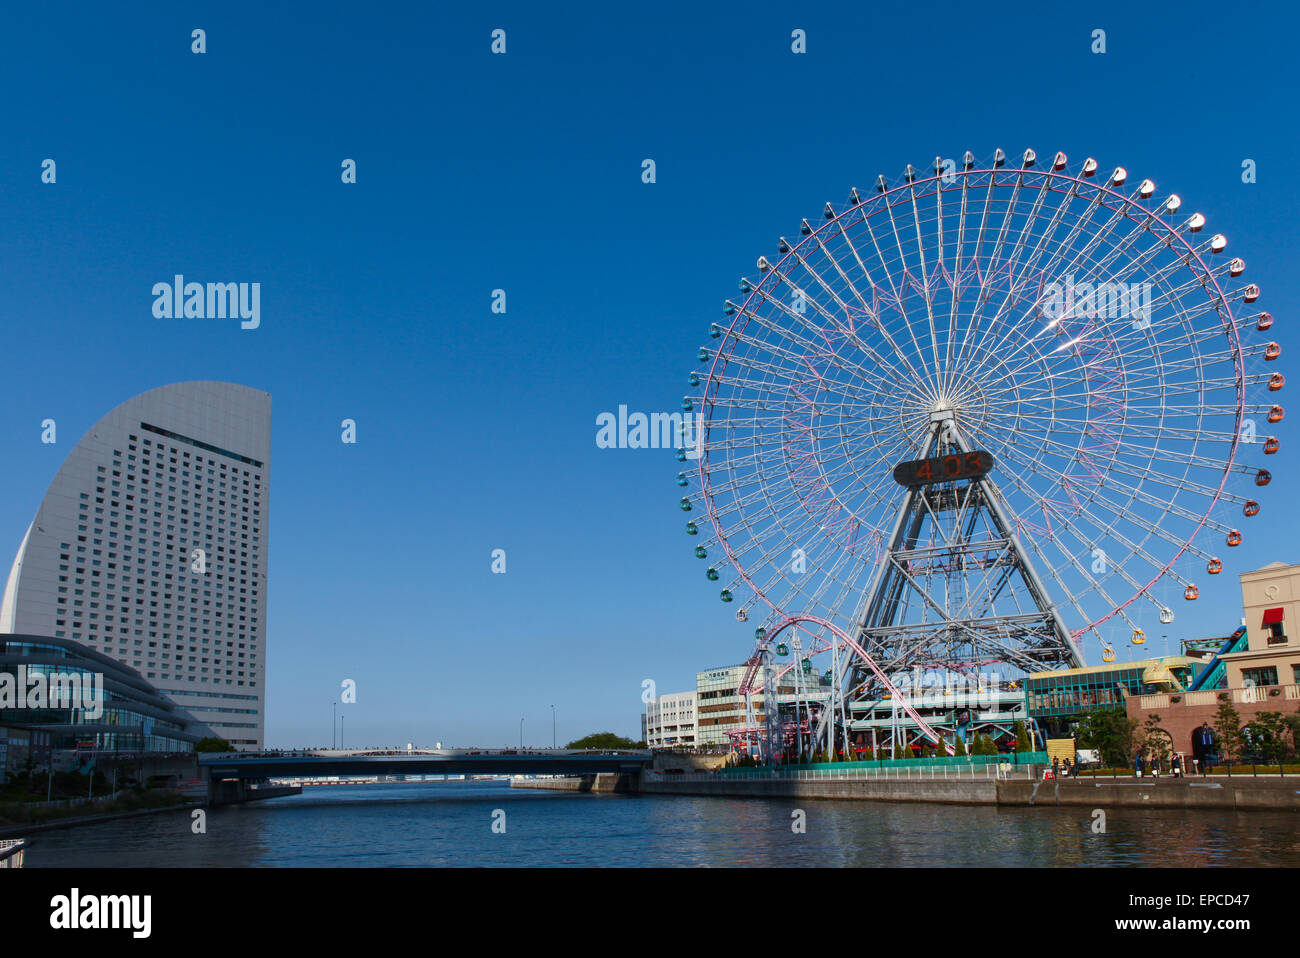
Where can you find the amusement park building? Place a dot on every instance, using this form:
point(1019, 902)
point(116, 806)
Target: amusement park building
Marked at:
point(993, 710)
point(1270, 601)
point(669, 721)
point(150, 547)
point(1261, 674)
point(1054, 698)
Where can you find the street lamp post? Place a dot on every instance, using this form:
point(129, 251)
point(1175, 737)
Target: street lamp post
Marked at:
point(552, 726)
point(334, 725)
point(521, 733)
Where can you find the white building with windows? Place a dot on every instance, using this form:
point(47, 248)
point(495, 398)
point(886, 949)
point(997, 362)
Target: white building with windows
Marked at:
point(150, 546)
point(670, 721)
point(720, 705)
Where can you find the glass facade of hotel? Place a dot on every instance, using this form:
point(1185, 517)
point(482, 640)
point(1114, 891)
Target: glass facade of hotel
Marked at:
point(133, 716)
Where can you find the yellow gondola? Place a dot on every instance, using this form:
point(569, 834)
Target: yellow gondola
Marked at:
point(1139, 636)
point(1108, 654)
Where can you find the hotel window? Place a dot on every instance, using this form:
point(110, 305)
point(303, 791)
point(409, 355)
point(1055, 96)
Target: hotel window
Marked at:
point(1261, 676)
point(1274, 627)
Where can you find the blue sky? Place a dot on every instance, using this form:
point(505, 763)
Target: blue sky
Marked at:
point(522, 172)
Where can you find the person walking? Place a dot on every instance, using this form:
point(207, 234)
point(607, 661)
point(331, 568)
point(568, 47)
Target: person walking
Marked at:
point(1202, 745)
point(1137, 765)
point(1056, 767)
point(1178, 766)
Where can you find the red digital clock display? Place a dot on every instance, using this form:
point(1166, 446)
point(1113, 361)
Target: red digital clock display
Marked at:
point(958, 466)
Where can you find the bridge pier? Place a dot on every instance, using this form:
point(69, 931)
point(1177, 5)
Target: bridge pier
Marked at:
point(237, 791)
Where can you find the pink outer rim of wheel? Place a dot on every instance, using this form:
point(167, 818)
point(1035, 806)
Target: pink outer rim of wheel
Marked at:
point(1105, 190)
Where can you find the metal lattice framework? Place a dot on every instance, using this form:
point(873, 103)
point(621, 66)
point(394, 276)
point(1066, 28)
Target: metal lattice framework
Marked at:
point(1088, 334)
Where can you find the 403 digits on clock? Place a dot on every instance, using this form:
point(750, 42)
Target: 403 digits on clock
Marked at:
point(923, 472)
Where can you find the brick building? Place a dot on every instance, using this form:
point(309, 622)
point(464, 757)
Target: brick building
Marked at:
point(1263, 677)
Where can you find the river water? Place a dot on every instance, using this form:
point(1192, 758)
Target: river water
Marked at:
point(451, 824)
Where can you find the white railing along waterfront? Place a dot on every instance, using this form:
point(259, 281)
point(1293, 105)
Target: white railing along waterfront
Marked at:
point(69, 802)
point(11, 852)
point(952, 773)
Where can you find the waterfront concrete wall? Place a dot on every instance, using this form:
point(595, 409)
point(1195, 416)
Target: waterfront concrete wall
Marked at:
point(688, 762)
point(1270, 794)
point(1267, 794)
point(604, 782)
point(571, 784)
point(953, 792)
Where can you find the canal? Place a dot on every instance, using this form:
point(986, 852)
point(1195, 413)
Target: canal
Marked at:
point(452, 824)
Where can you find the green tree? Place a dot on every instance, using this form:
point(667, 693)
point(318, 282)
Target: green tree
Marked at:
point(1267, 735)
point(1108, 731)
point(1293, 725)
point(1023, 744)
point(961, 746)
point(213, 744)
point(1227, 727)
point(603, 740)
point(901, 750)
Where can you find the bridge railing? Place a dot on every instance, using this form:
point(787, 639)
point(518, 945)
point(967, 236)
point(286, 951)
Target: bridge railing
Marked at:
point(456, 753)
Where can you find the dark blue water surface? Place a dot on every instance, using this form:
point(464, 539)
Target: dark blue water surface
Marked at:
point(450, 824)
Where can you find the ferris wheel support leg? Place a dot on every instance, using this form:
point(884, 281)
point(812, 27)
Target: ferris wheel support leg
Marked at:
point(994, 498)
point(867, 612)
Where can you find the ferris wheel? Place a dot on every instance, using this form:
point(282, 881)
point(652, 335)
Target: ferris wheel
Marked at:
point(977, 413)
